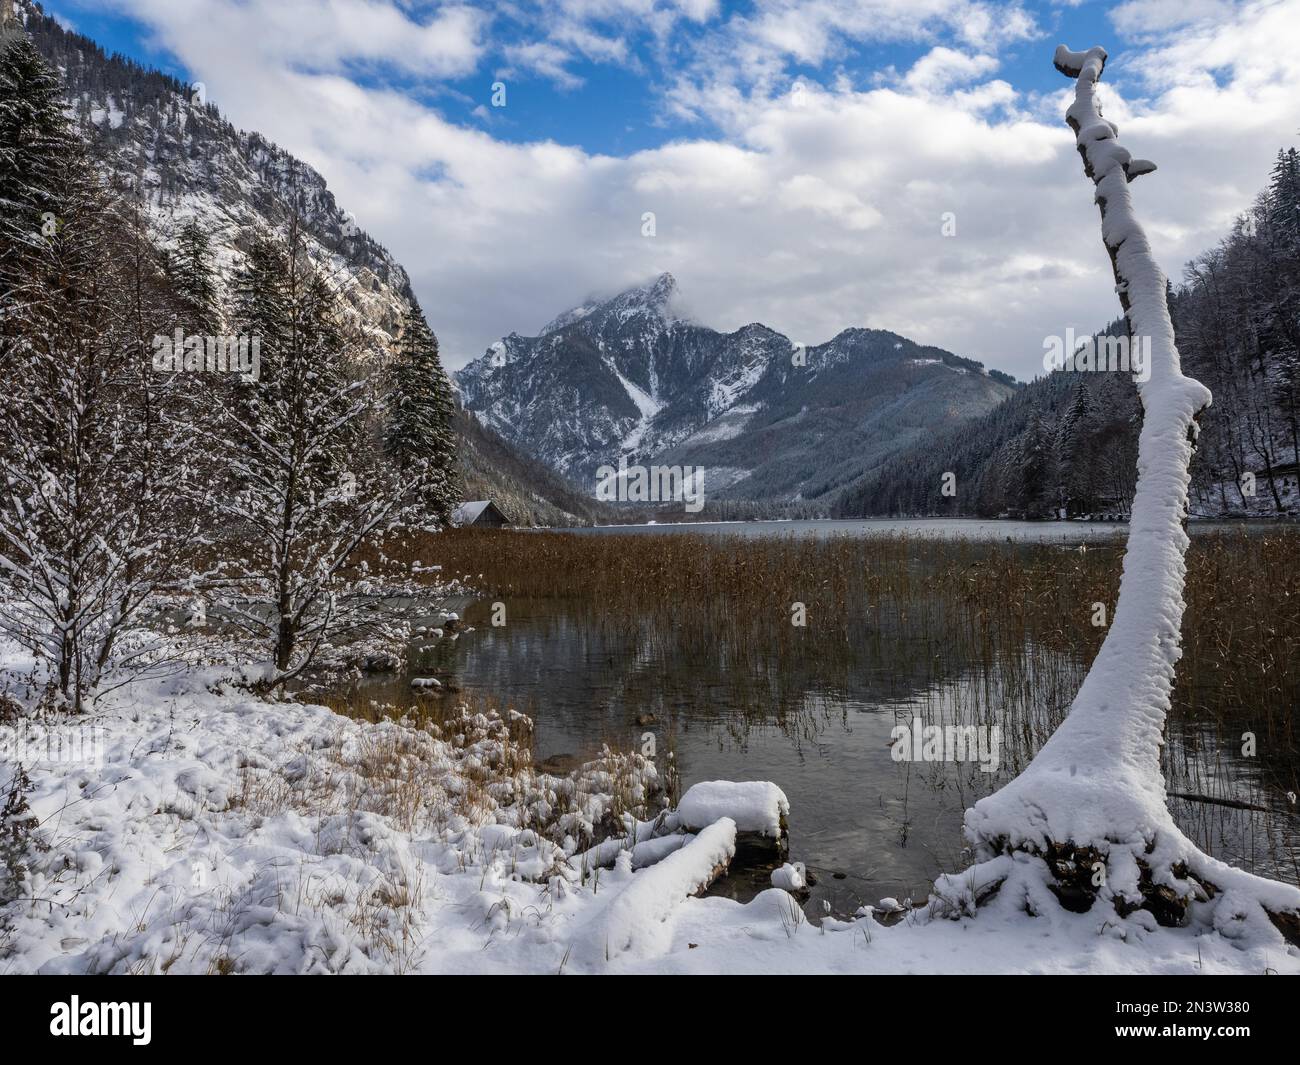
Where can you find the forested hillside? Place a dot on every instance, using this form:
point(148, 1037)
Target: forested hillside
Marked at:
point(527, 491)
point(1067, 442)
point(207, 192)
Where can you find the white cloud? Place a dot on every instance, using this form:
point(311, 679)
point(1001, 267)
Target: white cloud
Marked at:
point(323, 36)
point(940, 68)
point(1151, 16)
point(544, 58)
point(815, 30)
point(565, 31)
point(811, 215)
point(597, 48)
point(811, 193)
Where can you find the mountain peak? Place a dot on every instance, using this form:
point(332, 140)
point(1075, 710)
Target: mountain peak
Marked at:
point(650, 297)
point(665, 285)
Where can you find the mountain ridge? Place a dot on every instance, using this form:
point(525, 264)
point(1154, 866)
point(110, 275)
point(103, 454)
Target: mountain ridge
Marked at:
point(628, 377)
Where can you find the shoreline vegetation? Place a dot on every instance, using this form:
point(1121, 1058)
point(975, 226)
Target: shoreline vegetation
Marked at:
point(1241, 630)
point(1006, 631)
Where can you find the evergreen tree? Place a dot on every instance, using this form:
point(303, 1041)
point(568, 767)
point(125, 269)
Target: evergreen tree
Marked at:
point(1034, 468)
point(419, 436)
point(1283, 197)
point(193, 277)
point(1075, 484)
point(35, 144)
point(307, 488)
point(263, 306)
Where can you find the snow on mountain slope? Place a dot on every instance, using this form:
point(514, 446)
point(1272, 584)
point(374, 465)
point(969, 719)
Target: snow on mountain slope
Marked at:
point(631, 376)
point(647, 404)
point(159, 136)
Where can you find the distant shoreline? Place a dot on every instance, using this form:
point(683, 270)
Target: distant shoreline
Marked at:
point(1048, 530)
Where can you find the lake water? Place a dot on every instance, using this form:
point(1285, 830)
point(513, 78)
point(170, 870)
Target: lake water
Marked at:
point(1047, 532)
point(867, 825)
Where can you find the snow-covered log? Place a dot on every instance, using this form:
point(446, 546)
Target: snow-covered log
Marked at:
point(639, 919)
point(1092, 802)
point(648, 842)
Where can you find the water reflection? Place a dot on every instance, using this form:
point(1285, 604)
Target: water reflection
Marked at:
point(816, 720)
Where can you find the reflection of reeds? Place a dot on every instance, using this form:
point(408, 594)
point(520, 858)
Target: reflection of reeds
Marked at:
point(961, 631)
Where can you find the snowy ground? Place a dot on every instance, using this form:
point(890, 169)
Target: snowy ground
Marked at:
point(221, 832)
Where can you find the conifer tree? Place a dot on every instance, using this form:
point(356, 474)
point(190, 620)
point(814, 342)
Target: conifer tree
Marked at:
point(35, 143)
point(193, 277)
point(419, 437)
point(1033, 467)
point(1074, 468)
point(306, 485)
point(1283, 197)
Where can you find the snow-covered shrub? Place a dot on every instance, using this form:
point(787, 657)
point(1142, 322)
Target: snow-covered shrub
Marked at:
point(19, 839)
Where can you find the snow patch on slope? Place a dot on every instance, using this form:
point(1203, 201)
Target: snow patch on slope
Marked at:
point(646, 404)
point(725, 427)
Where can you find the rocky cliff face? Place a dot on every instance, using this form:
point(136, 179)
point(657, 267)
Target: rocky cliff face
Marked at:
point(159, 136)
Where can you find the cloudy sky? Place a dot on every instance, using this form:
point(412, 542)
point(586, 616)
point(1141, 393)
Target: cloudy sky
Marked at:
point(799, 156)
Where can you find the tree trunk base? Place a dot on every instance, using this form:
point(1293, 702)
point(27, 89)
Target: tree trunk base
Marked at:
point(1174, 882)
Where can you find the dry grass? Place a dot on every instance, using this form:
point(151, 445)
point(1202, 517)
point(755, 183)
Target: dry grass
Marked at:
point(439, 761)
point(432, 769)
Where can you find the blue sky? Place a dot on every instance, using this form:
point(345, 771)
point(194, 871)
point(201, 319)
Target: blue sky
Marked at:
point(798, 154)
point(612, 105)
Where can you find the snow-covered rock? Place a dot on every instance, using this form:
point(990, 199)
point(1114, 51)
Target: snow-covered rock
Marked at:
point(790, 877)
point(754, 805)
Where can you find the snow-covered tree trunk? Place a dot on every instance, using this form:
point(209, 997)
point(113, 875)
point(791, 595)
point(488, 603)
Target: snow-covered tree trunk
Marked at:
point(1092, 802)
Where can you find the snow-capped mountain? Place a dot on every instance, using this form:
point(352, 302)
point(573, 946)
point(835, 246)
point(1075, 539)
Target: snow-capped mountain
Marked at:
point(631, 376)
point(622, 376)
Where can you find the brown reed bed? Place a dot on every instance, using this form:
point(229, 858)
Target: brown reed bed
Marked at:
point(963, 632)
point(933, 607)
